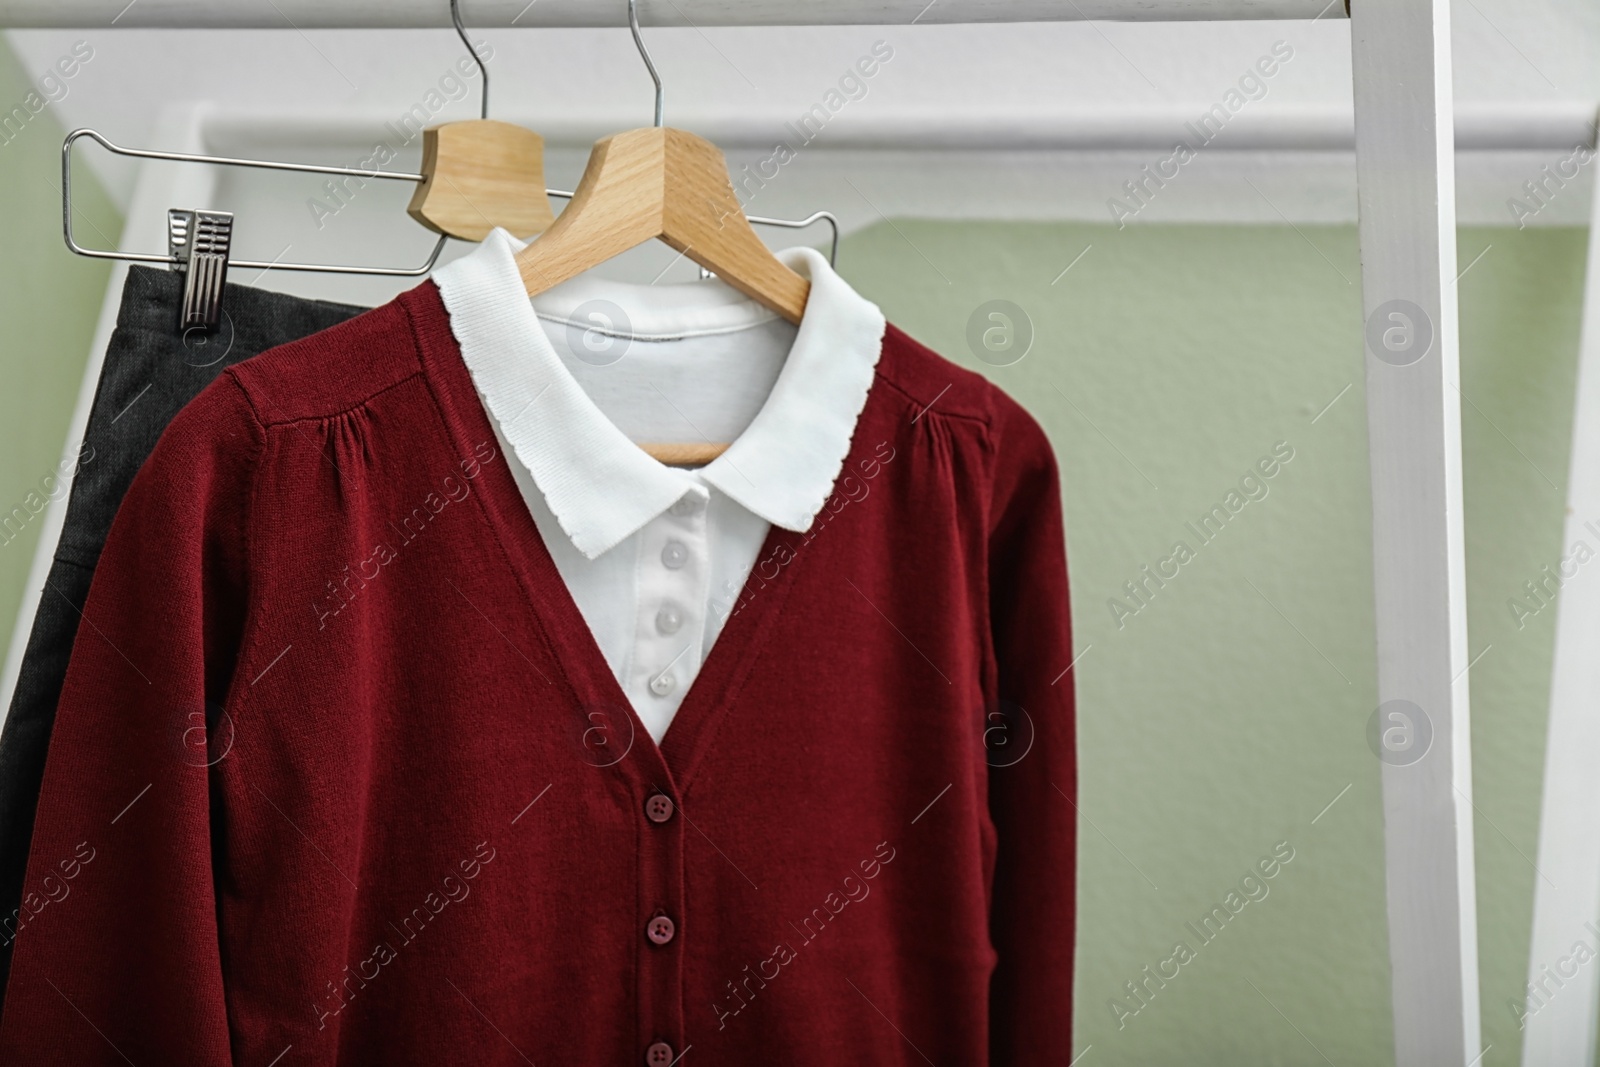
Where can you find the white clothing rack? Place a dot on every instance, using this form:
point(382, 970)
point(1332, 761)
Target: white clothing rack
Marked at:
point(1542, 126)
point(1404, 135)
point(488, 14)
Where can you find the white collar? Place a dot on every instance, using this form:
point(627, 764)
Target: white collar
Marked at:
point(600, 486)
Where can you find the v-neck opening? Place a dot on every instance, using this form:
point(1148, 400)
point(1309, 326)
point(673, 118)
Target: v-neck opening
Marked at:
point(579, 658)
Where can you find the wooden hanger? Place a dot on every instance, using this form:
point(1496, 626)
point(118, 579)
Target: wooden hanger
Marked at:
point(662, 183)
point(480, 174)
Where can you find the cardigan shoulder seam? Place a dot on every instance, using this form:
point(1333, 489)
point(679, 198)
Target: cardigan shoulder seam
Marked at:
point(250, 624)
point(984, 421)
point(333, 372)
point(322, 416)
point(935, 384)
point(259, 425)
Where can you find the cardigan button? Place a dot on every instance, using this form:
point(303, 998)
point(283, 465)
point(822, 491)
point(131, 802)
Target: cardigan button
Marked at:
point(661, 930)
point(658, 808)
point(658, 1055)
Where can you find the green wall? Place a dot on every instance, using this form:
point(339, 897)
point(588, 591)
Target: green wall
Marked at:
point(1519, 324)
point(49, 303)
point(1227, 714)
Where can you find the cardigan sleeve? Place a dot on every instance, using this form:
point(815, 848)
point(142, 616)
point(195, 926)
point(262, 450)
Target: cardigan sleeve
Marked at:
point(117, 957)
point(1033, 770)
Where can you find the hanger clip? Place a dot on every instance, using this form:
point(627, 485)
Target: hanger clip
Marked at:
point(200, 240)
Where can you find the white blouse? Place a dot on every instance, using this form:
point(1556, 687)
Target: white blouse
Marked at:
point(655, 556)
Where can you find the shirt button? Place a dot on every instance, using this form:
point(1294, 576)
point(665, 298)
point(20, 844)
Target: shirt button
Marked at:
point(658, 808)
point(662, 684)
point(674, 555)
point(668, 620)
point(687, 505)
point(658, 1055)
point(661, 929)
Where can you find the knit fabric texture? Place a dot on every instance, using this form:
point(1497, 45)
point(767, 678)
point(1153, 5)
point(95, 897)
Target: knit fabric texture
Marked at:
point(151, 370)
point(339, 775)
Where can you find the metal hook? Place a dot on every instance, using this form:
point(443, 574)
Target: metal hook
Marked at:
point(455, 17)
point(644, 53)
point(798, 224)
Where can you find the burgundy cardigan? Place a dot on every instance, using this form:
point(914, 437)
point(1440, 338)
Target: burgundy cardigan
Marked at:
point(341, 777)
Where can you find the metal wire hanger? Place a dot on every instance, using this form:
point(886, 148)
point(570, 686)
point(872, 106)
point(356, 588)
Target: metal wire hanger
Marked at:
point(199, 241)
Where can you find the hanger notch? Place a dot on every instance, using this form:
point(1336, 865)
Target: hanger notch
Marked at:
point(478, 174)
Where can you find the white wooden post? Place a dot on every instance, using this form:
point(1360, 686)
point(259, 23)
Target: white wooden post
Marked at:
point(1560, 1010)
point(1405, 170)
